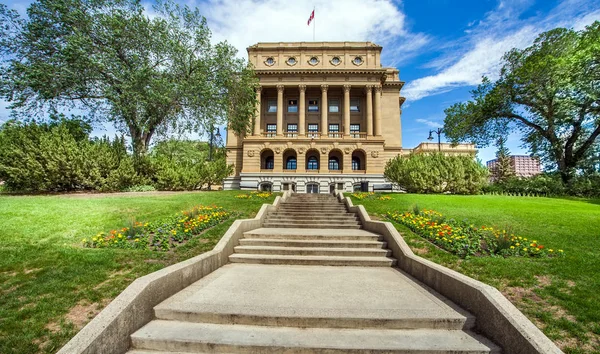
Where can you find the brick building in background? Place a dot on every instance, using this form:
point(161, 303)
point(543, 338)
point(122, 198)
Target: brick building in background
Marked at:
point(523, 165)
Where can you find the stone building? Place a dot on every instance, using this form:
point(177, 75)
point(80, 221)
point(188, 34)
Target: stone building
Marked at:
point(328, 119)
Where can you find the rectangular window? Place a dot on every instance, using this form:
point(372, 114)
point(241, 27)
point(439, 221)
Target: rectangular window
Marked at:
point(354, 105)
point(334, 106)
point(271, 128)
point(292, 128)
point(313, 105)
point(271, 106)
point(355, 130)
point(334, 128)
point(313, 128)
point(292, 106)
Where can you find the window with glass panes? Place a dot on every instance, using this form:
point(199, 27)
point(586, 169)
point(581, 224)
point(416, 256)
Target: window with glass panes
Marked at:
point(313, 128)
point(292, 128)
point(312, 164)
point(355, 105)
point(334, 128)
point(334, 163)
point(292, 106)
point(271, 128)
point(290, 164)
point(313, 105)
point(271, 106)
point(334, 106)
point(354, 128)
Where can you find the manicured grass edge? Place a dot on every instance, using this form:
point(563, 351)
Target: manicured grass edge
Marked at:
point(133, 308)
point(497, 318)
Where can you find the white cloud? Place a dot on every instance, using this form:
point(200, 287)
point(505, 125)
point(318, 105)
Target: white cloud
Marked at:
point(245, 22)
point(429, 123)
point(483, 48)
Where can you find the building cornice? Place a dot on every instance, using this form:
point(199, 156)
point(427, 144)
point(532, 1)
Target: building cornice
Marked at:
point(287, 72)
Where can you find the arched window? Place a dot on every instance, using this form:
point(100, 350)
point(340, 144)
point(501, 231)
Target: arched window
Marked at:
point(313, 163)
point(334, 163)
point(355, 163)
point(269, 163)
point(290, 164)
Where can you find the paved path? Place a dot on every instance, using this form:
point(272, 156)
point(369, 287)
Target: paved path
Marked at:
point(309, 289)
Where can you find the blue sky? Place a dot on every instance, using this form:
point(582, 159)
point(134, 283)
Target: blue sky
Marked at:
point(441, 47)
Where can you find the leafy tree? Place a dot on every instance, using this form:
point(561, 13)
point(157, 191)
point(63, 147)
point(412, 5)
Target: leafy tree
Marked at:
point(548, 91)
point(146, 74)
point(437, 173)
point(503, 168)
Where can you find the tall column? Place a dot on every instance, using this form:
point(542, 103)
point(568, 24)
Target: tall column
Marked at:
point(347, 110)
point(258, 112)
point(377, 108)
point(369, 91)
point(280, 89)
point(324, 109)
point(302, 111)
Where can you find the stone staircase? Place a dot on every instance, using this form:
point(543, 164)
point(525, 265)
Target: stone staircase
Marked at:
point(310, 281)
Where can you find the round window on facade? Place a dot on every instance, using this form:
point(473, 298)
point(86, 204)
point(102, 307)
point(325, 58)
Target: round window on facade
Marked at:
point(291, 61)
point(270, 61)
point(313, 61)
point(336, 61)
point(357, 61)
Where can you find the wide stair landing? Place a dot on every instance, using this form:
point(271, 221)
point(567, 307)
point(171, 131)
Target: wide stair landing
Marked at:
point(323, 285)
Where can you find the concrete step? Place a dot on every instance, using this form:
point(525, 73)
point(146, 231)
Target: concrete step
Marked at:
point(306, 206)
point(313, 260)
point(170, 336)
point(313, 204)
point(313, 213)
point(312, 243)
point(319, 218)
point(315, 225)
point(312, 234)
point(313, 251)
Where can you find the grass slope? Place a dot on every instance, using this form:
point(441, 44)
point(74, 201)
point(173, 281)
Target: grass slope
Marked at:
point(50, 286)
point(560, 295)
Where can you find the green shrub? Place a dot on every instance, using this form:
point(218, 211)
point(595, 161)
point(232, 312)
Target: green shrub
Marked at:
point(59, 156)
point(548, 184)
point(141, 188)
point(437, 173)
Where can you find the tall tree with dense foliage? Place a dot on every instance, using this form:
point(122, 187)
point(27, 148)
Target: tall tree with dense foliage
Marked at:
point(146, 74)
point(549, 92)
point(503, 169)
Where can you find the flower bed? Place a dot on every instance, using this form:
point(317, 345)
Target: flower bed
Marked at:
point(362, 195)
point(256, 194)
point(161, 235)
point(466, 240)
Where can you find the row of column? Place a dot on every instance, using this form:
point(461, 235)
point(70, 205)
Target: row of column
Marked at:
point(373, 110)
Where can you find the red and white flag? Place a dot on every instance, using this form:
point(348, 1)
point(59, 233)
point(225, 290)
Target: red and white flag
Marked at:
point(311, 17)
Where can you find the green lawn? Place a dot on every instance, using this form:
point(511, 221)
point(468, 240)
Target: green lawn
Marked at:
point(560, 295)
point(51, 286)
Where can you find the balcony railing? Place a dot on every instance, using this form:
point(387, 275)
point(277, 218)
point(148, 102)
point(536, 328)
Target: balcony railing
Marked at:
point(313, 135)
point(270, 134)
point(358, 135)
point(290, 134)
point(336, 135)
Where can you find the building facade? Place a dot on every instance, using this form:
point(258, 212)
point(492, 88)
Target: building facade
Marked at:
point(522, 165)
point(328, 119)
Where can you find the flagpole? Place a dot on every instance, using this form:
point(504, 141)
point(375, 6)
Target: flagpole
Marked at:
point(314, 24)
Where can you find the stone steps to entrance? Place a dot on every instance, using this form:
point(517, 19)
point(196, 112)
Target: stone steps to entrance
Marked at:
point(310, 280)
point(313, 251)
point(375, 261)
point(169, 336)
point(311, 243)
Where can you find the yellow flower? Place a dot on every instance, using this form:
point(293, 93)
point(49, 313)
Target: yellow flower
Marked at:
point(551, 250)
point(512, 247)
point(525, 249)
point(137, 240)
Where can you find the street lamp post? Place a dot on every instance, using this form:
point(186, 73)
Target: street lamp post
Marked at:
point(212, 138)
point(438, 131)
